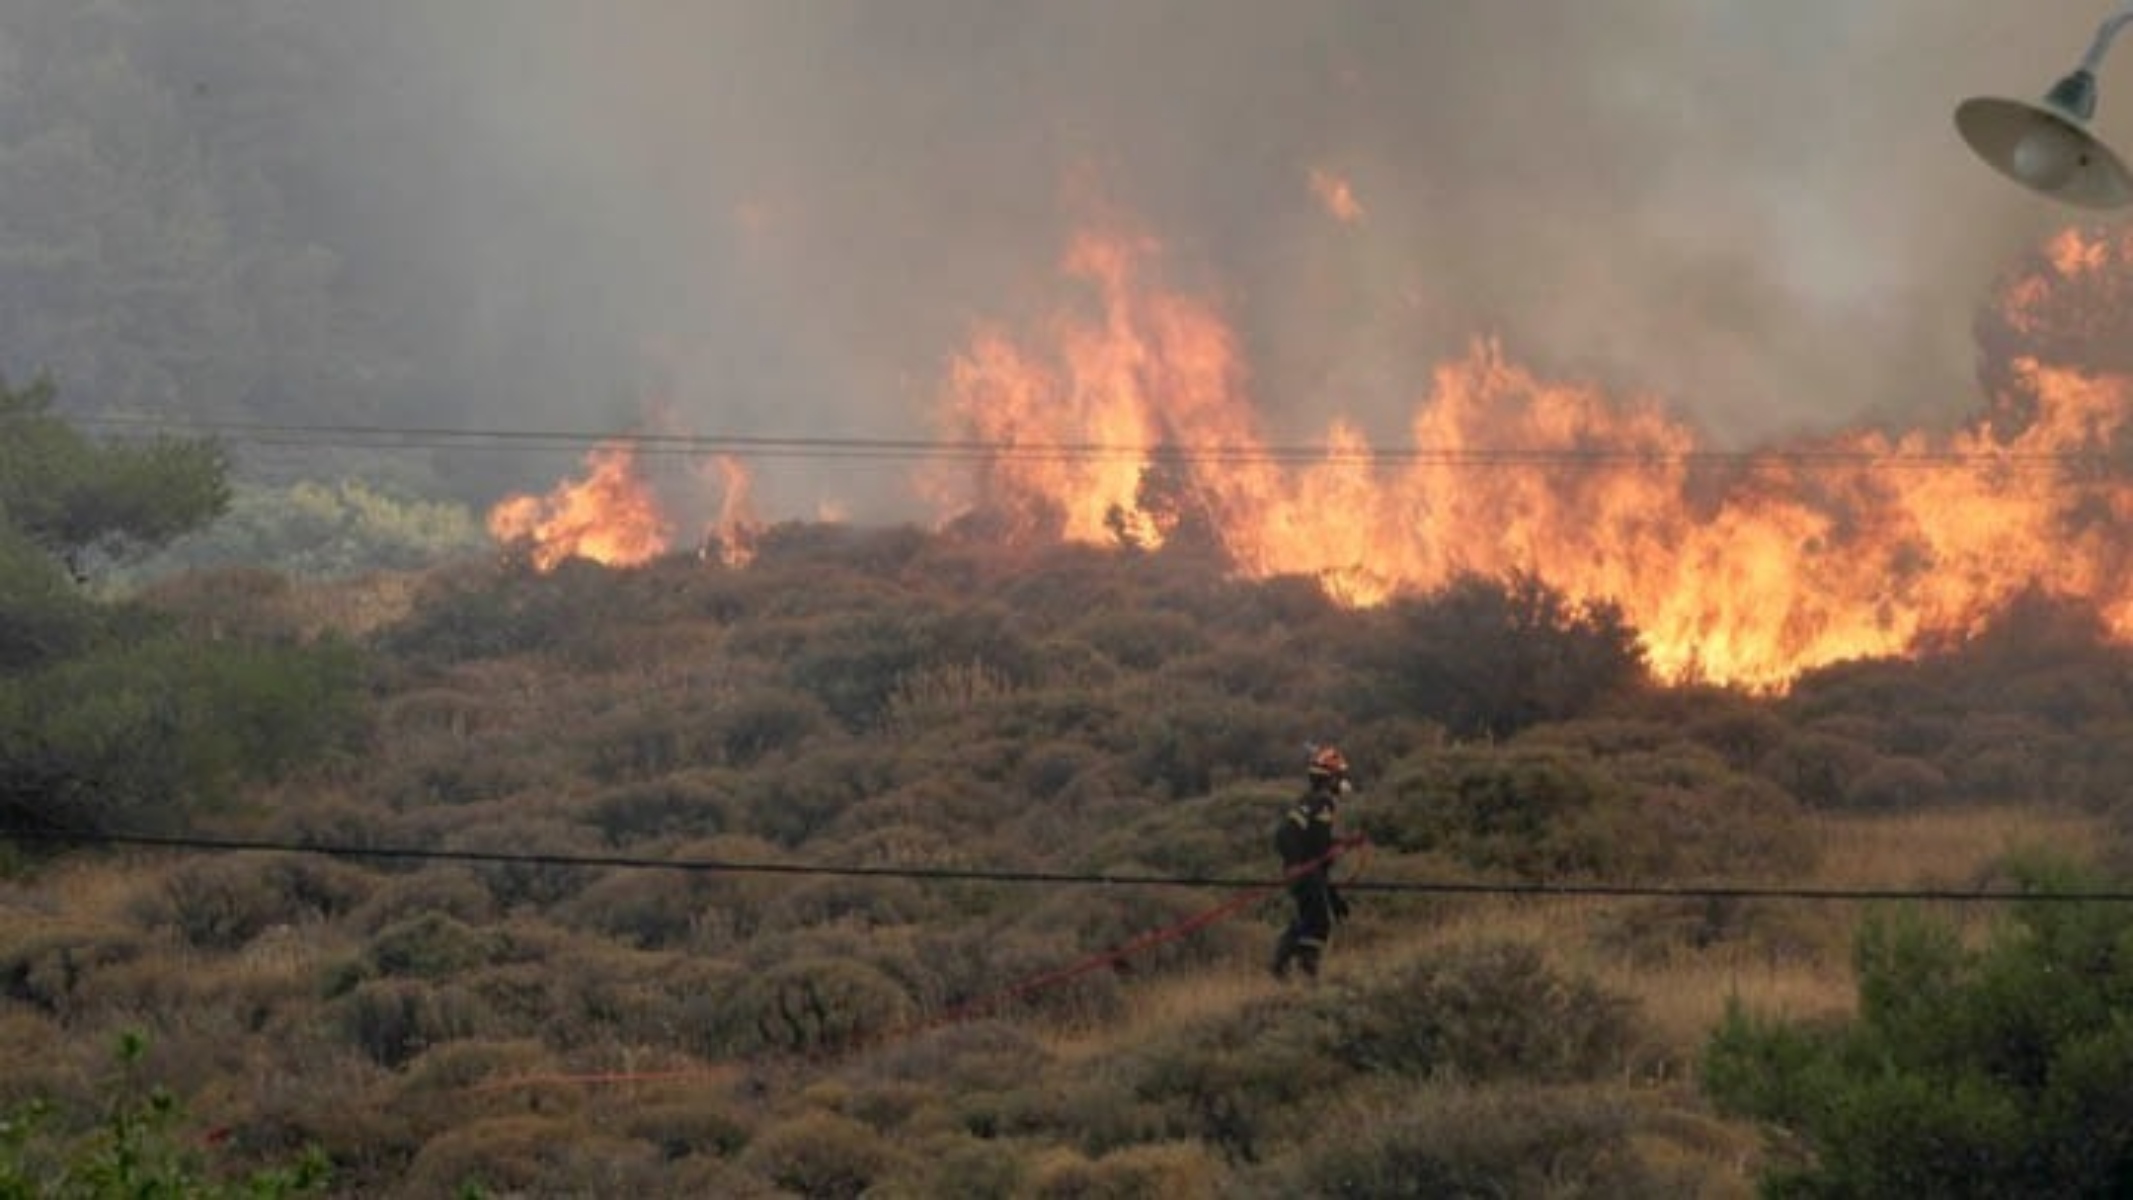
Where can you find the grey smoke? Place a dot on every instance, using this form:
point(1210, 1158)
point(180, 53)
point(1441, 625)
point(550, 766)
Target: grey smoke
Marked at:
point(783, 216)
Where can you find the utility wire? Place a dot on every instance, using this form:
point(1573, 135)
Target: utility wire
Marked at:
point(393, 437)
point(1058, 878)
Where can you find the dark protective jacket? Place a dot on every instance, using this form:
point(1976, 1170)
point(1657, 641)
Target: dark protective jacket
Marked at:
point(1307, 834)
point(1307, 831)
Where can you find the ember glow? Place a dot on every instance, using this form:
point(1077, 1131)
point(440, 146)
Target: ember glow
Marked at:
point(1129, 417)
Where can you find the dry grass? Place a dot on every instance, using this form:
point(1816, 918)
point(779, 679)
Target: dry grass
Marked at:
point(1682, 994)
point(1161, 1006)
point(88, 889)
point(1941, 848)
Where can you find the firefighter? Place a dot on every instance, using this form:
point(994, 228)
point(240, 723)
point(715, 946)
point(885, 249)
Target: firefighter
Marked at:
point(1306, 835)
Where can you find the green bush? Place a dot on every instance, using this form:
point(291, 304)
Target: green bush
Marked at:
point(43, 614)
point(134, 735)
point(1516, 809)
point(1996, 1070)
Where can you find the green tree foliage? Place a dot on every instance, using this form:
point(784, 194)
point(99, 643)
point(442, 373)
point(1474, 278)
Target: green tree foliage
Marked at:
point(74, 498)
point(1993, 1071)
point(43, 615)
point(106, 710)
point(1492, 657)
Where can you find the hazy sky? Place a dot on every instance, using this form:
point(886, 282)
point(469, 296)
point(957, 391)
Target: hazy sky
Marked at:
point(1757, 211)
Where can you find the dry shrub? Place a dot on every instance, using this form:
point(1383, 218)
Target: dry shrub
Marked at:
point(645, 909)
point(393, 1020)
point(1510, 1141)
point(520, 997)
point(223, 902)
point(450, 714)
point(1654, 933)
point(1896, 783)
point(696, 803)
point(822, 1156)
point(605, 995)
point(861, 902)
point(1490, 1011)
point(973, 1056)
point(967, 1167)
point(459, 1081)
point(698, 1125)
point(1164, 1171)
point(433, 946)
point(231, 997)
point(443, 889)
point(532, 1155)
point(522, 877)
point(1235, 1082)
point(440, 772)
point(982, 971)
point(811, 1005)
point(45, 963)
point(32, 1038)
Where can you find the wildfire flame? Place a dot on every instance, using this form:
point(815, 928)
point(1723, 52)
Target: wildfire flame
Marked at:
point(1129, 423)
point(613, 516)
point(1132, 422)
point(609, 517)
point(735, 531)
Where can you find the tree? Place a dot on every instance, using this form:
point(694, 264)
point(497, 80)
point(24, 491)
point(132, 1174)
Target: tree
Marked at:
point(106, 710)
point(1995, 1071)
point(77, 499)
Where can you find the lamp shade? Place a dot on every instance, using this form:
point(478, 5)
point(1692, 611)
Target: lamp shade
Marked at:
point(2046, 150)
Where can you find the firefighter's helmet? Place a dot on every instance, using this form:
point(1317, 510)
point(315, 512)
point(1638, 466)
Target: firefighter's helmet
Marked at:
point(1328, 761)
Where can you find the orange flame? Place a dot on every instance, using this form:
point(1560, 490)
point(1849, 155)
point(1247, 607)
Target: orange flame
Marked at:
point(1744, 569)
point(614, 517)
point(610, 517)
point(737, 527)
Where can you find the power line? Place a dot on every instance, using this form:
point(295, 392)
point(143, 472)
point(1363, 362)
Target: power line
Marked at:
point(833, 448)
point(1708, 892)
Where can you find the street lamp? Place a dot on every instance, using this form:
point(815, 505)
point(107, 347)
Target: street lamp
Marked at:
point(2047, 146)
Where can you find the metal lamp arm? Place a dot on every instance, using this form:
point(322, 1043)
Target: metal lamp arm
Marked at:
point(2093, 60)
